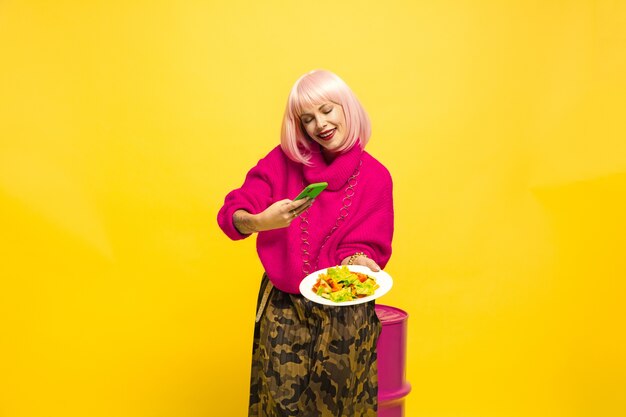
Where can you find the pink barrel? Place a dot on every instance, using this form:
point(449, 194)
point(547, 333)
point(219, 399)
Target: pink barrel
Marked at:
point(391, 348)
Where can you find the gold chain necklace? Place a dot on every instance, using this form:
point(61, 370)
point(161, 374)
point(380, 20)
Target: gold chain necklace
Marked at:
point(343, 213)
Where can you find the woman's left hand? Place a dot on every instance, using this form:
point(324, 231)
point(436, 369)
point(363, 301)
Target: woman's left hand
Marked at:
point(362, 260)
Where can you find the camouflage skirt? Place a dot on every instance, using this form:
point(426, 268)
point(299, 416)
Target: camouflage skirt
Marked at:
point(313, 360)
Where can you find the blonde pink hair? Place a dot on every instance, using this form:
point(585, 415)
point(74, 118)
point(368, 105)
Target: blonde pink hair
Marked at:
point(312, 89)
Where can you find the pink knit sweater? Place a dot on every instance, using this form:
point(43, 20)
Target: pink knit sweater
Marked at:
point(367, 227)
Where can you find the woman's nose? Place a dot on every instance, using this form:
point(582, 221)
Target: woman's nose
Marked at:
point(321, 122)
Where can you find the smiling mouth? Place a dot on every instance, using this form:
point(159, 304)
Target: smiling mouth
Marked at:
point(327, 135)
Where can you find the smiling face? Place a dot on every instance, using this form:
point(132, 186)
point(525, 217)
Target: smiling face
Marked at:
point(325, 123)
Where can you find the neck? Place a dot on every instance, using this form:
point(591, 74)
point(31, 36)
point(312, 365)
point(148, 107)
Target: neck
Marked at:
point(329, 157)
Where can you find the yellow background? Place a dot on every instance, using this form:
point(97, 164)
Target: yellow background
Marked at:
point(123, 124)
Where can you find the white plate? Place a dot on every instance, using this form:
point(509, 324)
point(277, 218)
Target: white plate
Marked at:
point(382, 278)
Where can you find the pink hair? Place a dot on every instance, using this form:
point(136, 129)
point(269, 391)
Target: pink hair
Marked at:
point(314, 88)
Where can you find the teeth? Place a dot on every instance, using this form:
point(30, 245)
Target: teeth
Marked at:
point(325, 135)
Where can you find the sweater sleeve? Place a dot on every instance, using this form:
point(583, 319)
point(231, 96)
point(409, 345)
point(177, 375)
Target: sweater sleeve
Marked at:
point(254, 196)
point(374, 234)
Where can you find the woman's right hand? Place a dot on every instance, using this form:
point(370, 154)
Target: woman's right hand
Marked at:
point(281, 213)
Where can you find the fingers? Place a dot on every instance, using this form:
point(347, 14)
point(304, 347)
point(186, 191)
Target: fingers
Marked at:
point(370, 263)
point(298, 203)
point(285, 211)
point(298, 206)
point(303, 207)
point(282, 213)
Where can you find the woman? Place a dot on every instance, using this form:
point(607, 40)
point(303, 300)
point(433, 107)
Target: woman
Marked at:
point(310, 359)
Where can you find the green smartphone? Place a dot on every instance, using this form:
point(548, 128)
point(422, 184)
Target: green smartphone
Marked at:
point(312, 190)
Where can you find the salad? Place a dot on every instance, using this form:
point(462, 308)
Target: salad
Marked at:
point(340, 284)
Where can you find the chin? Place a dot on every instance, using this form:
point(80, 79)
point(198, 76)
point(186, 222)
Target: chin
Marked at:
point(331, 147)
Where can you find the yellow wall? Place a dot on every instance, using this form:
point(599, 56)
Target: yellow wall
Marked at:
point(123, 124)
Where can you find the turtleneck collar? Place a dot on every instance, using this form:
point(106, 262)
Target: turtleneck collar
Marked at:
point(337, 173)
